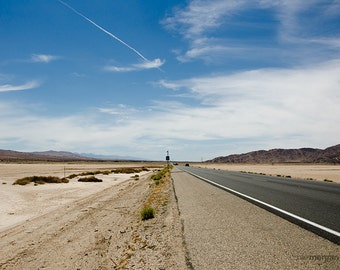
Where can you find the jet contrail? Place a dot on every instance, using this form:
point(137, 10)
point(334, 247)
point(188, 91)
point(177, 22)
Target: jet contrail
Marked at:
point(105, 31)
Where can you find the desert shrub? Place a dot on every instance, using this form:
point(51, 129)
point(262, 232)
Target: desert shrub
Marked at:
point(127, 170)
point(40, 180)
point(161, 173)
point(157, 176)
point(86, 173)
point(72, 176)
point(147, 213)
point(90, 179)
point(22, 181)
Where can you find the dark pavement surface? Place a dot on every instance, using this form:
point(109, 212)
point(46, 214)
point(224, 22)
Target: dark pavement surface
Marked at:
point(318, 202)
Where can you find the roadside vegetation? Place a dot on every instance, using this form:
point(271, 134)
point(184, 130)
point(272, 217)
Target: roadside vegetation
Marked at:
point(158, 197)
point(130, 170)
point(40, 180)
point(90, 179)
point(147, 213)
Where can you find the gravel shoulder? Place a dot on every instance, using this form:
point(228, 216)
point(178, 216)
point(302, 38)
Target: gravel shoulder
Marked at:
point(222, 231)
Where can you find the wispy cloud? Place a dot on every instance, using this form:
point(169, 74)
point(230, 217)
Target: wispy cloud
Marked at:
point(25, 86)
point(197, 23)
point(79, 75)
point(201, 16)
point(43, 58)
point(167, 84)
point(120, 109)
point(119, 69)
point(157, 63)
point(200, 20)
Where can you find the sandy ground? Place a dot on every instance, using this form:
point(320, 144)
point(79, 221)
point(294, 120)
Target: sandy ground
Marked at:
point(315, 172)
point(86, 225)
point(21, 203)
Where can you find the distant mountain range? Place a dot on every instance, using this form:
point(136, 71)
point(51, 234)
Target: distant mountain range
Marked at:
point(330, 155)
point(9, 155)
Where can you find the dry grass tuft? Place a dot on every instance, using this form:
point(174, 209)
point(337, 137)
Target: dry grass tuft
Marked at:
point(147, 213)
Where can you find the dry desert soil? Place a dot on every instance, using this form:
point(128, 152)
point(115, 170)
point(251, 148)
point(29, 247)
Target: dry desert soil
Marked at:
point(98, 225)
point(88, 225)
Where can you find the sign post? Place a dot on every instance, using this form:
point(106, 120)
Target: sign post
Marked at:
point(167, 158)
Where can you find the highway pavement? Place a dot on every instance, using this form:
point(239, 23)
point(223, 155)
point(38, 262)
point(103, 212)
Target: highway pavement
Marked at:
point(310, 204)
point(223, 231)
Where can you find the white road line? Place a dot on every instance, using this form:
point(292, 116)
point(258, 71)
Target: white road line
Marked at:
point(335, 233)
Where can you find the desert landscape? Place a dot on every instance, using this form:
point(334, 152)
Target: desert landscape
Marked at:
point(71, 225)
point(20, 203)
point(79, 225)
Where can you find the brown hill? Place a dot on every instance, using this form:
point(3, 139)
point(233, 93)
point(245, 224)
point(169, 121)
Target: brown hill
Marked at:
point(330, 155)
point(9, 155)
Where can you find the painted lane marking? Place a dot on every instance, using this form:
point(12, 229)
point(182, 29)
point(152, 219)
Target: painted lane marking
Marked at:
point(301, 219)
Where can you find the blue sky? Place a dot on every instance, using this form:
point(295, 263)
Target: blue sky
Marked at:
point(200, 78)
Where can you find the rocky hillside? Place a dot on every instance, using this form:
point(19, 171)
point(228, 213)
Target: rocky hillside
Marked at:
point(330, 155)
point(9, 155)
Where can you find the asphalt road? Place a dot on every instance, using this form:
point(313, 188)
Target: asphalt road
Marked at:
point(316, 202)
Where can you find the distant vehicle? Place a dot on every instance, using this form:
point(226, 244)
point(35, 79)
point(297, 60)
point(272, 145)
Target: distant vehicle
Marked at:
point(175, 163)
point(187, 164)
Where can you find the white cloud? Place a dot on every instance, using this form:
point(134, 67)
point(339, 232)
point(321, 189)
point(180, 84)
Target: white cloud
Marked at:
point(208, 52)
point(200, 21)
point(156, 63)
point(119, 69)
point(201, 16)
point(244, 111)
point(166, 84)
point(274, 103)
point(25, 86)
point(43, 58)
point(120, 109)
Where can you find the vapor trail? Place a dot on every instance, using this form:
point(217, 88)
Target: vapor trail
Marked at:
point(105, 31)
